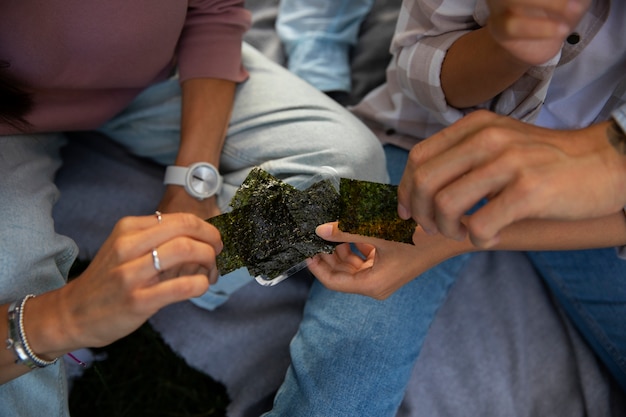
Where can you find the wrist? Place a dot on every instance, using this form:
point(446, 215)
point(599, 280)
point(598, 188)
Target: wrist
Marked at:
point(21, 338)
point(48, 328)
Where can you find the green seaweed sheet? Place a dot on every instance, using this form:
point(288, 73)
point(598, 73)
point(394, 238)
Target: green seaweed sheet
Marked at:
point(371, 209)
point(272, 225)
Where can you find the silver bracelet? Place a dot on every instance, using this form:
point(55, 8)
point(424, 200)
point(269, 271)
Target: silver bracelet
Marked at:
point(17, 341)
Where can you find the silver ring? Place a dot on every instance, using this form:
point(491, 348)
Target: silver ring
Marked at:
point(155, 260)
point(158, 216)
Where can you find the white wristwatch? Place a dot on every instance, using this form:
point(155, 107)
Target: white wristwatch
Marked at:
point(201, 180)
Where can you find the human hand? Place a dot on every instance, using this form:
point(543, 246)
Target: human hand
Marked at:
point(533, 31)
point(177, 200)
point(384, 266)
point(121, 288)
point(523, 170)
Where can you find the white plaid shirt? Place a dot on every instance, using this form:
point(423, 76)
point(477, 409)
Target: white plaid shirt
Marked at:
point(411, 105)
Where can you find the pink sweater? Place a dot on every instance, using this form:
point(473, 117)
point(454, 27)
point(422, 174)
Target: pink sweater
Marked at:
point(86, 60)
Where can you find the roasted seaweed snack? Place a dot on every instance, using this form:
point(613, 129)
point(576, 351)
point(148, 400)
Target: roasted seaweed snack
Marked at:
point(371, 209)
point(272, 225)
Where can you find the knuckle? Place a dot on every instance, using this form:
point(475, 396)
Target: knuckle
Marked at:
point(119, 248)
point(480, 115)
point(478, 233)
point(185, 287)
point(417, 153)
point(422, 179)
point(188, 221)
point(445, 204)
point(124, 224)
point(490, 139)
point(527, 182)
point(135, 303)
point(183, 245)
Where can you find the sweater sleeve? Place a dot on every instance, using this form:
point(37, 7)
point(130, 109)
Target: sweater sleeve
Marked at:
point(210, 43)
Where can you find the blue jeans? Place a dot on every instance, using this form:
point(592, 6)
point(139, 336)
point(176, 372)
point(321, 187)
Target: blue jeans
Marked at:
point(279, 123)
point(353, 356)
point(319, 35)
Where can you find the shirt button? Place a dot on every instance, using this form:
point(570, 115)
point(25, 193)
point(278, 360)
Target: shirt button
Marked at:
point(573, 39)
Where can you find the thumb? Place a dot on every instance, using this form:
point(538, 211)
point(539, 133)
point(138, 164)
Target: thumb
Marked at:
point(328, 231)
point(332, 233)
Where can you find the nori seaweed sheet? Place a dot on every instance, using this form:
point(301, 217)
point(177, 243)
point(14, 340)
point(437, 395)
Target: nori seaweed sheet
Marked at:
point(272, 225)
point(371, 209)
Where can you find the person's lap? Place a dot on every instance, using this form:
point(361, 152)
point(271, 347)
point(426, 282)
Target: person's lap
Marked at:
point(590, 286)
point(353, 355)
point(348, 338)
point(279, 123)
point(33, 257)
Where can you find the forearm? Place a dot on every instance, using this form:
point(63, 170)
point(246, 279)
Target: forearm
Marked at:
point(476, 69)
point(539, 235)
point(206, 110)
point(526, 235)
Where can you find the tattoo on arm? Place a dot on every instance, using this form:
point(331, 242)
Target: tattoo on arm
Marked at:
point(616, 137)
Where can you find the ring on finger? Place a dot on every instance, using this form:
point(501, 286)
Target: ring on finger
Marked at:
point(155, 260)
point(158, 216)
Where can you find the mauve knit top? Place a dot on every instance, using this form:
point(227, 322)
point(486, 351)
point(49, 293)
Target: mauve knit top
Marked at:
point(85, 60)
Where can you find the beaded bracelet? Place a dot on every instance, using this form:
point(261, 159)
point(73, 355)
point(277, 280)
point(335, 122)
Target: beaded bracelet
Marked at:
point(17, 341)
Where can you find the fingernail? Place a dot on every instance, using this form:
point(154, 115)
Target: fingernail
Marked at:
point(324, 230)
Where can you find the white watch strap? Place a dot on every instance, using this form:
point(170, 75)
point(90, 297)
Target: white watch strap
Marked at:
point(175, 175)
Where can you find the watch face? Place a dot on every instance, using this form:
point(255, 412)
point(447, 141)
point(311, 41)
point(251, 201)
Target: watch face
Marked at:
point(203, 180)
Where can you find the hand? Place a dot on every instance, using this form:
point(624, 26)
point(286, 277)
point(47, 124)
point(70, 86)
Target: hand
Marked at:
point(523, 170)
point(121, 288)
point(533, 31)
point(384, 266)
point(177, 200)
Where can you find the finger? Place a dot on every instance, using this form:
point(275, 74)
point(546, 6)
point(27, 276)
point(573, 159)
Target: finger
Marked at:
point(553, 8)
point(423, 153)
point(513, 182)
point(458, 197)
point(518, 200)
point(132, 245)
point(527, 27)
point(183, 270)
point(167, 260)
point(335, 275)
point(327, 267)
point(332, 233)
point(566, 13)
point(347, 258)
point(170, 291)
point(431, 205)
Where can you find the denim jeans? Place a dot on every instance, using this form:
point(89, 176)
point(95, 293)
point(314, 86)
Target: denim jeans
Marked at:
point(33, 258)
point(316, 36)
point(279, 123)
point(353, 356)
